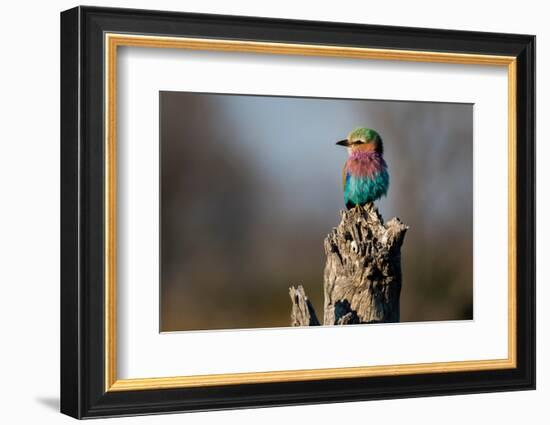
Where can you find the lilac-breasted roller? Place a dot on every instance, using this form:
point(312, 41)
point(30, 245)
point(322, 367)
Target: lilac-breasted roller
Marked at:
point(365, 175)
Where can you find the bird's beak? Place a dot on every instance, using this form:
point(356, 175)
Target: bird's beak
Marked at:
point(343, 143)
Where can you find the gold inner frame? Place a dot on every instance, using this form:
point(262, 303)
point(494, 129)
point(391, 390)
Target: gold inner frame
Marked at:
point(113, 41)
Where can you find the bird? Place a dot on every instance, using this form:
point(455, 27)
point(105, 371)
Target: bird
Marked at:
point(365, 176)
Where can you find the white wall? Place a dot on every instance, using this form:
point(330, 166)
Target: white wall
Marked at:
point(29, 224)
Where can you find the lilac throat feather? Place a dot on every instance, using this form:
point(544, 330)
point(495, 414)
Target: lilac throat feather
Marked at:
point(365, 164)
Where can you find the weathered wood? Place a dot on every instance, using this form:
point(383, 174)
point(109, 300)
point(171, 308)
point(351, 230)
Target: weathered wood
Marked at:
point(362, 277)
point(303, 313)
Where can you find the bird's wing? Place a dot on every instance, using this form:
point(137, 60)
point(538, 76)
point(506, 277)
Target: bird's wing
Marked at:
point(344, 177)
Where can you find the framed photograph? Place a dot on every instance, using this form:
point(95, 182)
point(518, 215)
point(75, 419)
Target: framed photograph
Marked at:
point(261, 212)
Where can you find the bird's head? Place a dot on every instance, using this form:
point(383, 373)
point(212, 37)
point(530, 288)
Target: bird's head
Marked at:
point(363, 139)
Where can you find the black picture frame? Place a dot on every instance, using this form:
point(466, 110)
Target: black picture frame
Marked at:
point(83, 392)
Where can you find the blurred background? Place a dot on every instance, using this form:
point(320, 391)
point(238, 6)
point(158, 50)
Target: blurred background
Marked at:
point(251, 185)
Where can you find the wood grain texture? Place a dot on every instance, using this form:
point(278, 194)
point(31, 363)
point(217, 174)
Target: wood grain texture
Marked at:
point(362, 277)
point(303, 313)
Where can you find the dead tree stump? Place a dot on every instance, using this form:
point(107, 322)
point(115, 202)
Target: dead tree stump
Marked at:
point(303, 313)
point(362, 278)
